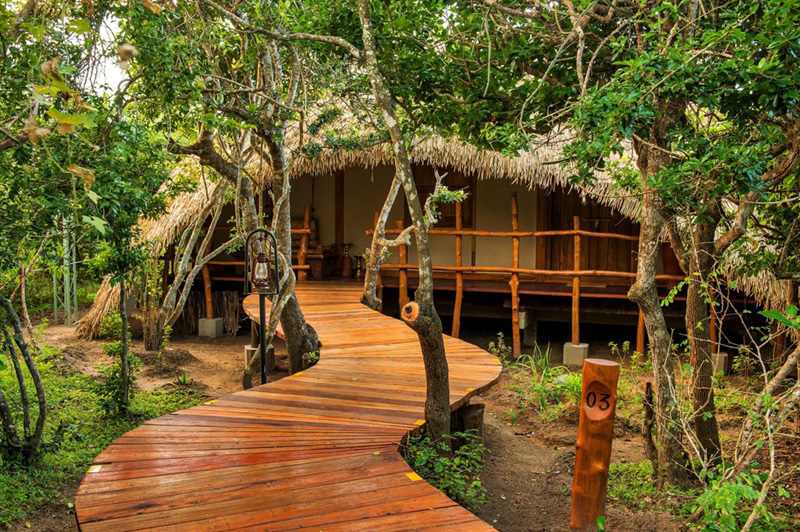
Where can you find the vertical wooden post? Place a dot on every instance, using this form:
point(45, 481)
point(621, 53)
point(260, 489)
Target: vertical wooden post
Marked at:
point(576, 283)
point(339, 211)
point(593, 448)
point(379, 281)
point(402, 257)
point(514, 283)
point(207, 292)
point(641, 334)
point(713, 327)
point(302, 275)
point(459, 275)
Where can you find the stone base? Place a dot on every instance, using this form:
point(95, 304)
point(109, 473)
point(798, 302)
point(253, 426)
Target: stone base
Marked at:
point(575, 354)
point(720, 363)
point(210, 327)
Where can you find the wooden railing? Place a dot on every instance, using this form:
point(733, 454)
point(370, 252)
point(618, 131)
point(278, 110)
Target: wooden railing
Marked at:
point(514, 271)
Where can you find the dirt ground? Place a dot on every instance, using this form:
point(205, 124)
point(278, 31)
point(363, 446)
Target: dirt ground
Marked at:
point(528, 473)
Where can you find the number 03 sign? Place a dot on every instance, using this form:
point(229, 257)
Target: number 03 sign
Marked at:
point(593, 450)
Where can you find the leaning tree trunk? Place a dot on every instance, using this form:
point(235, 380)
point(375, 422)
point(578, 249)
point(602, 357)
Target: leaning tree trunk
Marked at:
point(701, 263)
point(301, 338)
point(644, 292)
point(421, 314)
point(373, 266)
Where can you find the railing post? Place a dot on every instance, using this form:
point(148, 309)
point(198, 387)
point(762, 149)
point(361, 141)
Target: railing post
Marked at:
point(402, 257)
point(641, 334)
point(379, 280)
point(593, 448)
point(459, 276)
point(514, 283)
point(302, 274)
point(576, 282)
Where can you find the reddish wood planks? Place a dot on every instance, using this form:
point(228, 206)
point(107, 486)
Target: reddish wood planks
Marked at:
point(317, 450)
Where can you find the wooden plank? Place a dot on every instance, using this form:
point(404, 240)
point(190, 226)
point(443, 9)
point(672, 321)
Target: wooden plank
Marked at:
point(459, 275)
point(316, 450)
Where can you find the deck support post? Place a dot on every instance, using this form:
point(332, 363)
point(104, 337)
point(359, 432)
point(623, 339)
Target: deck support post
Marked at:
point(576, 283)
point(514, 283)
point(641, 335)
point(302, 274)
point(459, 276)
point(402, 256)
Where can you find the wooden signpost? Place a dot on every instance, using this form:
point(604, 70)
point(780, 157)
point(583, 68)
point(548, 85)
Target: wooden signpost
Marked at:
point(593, 449)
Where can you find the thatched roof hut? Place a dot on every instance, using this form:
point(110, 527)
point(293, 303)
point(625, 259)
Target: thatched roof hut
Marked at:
point(314, 154)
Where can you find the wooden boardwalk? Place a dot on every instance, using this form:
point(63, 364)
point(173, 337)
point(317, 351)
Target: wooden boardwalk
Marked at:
point(317, 450)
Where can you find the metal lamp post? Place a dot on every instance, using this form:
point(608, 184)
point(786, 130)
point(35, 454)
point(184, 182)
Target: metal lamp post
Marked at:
point(265, 281)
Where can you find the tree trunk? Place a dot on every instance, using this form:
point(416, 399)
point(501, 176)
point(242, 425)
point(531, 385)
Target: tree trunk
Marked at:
point(373, 266)
point(644, 292)
point(301, 338)
point(124, 369)
point(701, 263)
point(420, 315)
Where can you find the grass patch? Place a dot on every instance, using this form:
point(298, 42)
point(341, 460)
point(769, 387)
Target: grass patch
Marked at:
point(76, 431)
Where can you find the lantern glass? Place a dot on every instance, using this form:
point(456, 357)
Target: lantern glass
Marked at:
point(262, 277)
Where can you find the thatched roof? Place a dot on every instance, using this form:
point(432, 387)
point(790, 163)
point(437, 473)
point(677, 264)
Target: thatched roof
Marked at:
point(542, 167)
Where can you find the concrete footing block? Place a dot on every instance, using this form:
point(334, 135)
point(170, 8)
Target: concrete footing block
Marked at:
point(575, 354)
point(719, 362)
point(210, 327)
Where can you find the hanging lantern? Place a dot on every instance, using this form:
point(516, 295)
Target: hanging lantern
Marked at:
point(262, 279)
point(261, 273)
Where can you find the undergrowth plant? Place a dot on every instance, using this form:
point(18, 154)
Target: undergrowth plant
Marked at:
point(456, 475)
point(540, 385)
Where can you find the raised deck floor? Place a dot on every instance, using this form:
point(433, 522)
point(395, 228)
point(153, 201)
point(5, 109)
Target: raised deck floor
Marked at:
point(317, 450)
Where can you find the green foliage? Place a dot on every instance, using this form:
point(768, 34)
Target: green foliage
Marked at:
point(632, 485)
point(111, 325)
point(541, 386)
point(442, 196)
point(456, 475)
point(500, 349)
point(76, 430)
point(112, 397)
point(726, 506)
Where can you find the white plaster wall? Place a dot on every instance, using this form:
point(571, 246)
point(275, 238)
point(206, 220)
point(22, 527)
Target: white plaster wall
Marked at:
point(324, 205)
point(365, 191)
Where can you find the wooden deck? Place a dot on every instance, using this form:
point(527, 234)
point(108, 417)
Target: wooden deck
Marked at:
point(317, 450)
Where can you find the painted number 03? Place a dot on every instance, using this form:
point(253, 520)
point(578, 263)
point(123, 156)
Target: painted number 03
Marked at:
point(603, 402)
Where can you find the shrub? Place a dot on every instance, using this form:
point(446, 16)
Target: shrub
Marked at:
point(456, 475)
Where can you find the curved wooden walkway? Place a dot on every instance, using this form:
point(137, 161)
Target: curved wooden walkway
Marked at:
point(317, 450)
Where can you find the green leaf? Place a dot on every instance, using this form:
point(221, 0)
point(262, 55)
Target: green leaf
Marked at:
point(94, 196)
point(66, 118)
point(98, 223)
point(79, 25)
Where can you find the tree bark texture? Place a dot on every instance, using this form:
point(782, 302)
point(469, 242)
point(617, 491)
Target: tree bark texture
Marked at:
point(421, 316)
point(124, 369)
point(644, 293)
point(701, 264)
